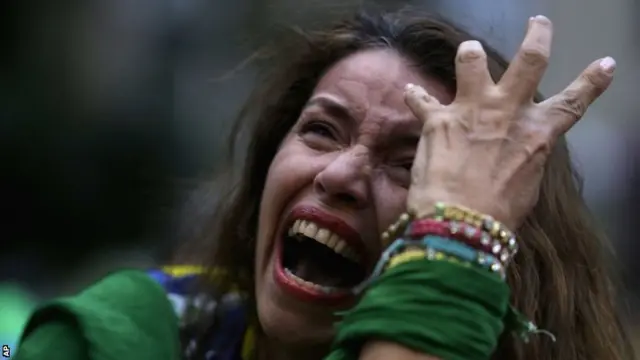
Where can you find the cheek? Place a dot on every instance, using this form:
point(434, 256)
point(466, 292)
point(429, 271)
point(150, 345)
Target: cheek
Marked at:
point(292, 170)
point(390, 202)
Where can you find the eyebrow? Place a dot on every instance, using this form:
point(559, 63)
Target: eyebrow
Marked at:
point(337, 109)
point(332, 106)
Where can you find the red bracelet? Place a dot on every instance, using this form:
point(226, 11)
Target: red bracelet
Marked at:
point(467, 234)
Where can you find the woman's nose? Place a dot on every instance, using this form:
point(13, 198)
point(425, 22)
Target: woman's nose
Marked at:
point(345, 180)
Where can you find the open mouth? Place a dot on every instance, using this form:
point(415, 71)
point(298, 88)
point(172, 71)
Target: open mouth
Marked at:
point(319, 261)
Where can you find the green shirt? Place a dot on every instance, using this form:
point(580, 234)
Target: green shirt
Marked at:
point(138, 323)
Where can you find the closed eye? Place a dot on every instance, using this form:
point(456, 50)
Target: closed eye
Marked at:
point(407, 166)
point(400, 172)
point(405, 163)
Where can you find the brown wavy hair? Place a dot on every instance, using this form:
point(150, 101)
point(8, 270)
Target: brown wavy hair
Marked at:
point(560, 278)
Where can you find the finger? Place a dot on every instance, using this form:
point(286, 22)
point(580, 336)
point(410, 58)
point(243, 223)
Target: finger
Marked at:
point(567, 107)
point(525, 72)
point(419, 101)
point(472, 73)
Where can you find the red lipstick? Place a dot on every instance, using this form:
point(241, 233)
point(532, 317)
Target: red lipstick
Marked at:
point(329, 222)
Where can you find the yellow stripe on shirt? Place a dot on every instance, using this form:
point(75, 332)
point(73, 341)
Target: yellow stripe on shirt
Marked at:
point(178, 271)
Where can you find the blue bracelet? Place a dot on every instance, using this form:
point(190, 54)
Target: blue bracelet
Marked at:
point(433, 244)
point(463, 252)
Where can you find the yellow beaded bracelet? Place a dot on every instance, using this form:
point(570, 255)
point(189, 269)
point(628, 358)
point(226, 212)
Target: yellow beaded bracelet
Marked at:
point(417, 254)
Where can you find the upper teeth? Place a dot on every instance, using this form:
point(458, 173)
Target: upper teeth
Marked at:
point(324, 236)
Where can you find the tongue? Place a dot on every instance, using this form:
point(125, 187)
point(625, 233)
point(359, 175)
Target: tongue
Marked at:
point(310, 271)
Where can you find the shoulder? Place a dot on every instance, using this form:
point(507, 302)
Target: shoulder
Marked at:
point(129, 298)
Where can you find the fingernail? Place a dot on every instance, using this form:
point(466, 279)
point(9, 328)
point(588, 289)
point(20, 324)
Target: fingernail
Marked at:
point(408, 87)
point(541, 18)
point(608, 64)
point(474, 45)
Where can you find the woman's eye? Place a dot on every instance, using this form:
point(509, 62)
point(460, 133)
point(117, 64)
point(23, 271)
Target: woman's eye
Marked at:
point(404, 165)
point(318, 128)
point(407, 166)
point(401, 172)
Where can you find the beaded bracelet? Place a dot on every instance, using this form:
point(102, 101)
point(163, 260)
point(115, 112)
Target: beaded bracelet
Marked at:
point(472, 236)
point(460, 256)
point(447, 212)
point(396, 228)
point(426, 248)
point(463, 252)
point(460, 219)
point(430, 254)
point(495, 228)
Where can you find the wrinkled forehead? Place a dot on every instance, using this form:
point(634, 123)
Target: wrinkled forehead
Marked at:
point(369, 87)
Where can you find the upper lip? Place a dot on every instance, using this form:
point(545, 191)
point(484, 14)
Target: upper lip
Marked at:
point(332, 223)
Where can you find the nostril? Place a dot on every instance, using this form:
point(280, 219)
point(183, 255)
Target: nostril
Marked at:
point(347, 198)
point(320, 187)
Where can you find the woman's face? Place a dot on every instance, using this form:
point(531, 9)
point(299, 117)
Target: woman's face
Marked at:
point(339, 179)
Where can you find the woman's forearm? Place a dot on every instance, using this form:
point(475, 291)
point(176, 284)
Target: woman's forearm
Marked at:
point(383, 350)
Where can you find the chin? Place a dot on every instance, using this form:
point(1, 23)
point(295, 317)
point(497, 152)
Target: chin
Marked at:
point(293, 328)
point(291, 321)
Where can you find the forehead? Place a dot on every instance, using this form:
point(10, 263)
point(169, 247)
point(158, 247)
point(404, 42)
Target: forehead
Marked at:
point(370, 85)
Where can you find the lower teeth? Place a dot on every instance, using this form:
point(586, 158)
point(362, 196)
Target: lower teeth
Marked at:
point(310, 285)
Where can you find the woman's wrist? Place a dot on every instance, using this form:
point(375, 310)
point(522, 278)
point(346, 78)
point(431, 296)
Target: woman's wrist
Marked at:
point(385, 350)
point(413, 280)
point(422, 202)
point(460, 319)
point(452, 233)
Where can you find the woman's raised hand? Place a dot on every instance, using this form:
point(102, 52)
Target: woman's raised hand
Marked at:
point(487, 149)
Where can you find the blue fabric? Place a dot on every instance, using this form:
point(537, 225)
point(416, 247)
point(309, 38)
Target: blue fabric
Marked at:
point(226, 336)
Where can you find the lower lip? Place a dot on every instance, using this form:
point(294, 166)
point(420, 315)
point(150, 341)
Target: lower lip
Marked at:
point(298, 291)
